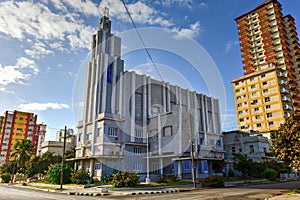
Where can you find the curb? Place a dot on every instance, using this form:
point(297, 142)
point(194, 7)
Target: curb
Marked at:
point(154, 192)
point(88, 194)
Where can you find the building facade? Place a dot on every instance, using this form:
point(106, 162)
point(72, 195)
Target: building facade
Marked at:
point(135, 123)
point(16, 125)
point(268, 92)
point(59, 136)
point(41, 130)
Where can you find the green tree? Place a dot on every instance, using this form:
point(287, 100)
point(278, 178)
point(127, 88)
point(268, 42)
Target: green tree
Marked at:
point(286, 142)
point(70, 153)
point(53, 174)
point(243, 164)
point(22, 151)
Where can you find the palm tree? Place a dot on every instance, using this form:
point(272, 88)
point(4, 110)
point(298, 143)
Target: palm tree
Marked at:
point(22, 152)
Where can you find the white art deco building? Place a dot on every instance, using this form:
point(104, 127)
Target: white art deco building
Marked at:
point(135, 123)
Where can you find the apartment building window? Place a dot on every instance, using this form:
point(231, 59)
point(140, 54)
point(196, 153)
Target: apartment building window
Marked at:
point(251, 79)
point(256, 109)
point(237, 91)
point(167, 131)
point(257, 36)
point(268, 106)
point(242, 119)
point(237, 83)
point(263, 76)
point(265, 90)
point(232, 149)
point(239, 105)
point(113, 132)
point(270, 123)
point(261, 60)
point(253, 86)
point(257, 117)
point(269, 115)
point(238, 97)
point(218, 143)
point(254, 94)
point(240, 112)
point(254, 102)
point(251, 149)
point(137, 150)
point(264, 83)
point(258, 125)
point(99, 131)
point(267, 99)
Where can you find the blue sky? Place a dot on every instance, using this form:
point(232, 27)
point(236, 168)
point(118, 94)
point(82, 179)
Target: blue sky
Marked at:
point(45, 45)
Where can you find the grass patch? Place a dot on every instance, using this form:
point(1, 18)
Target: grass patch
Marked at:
point(296, 191)
point(44, 187)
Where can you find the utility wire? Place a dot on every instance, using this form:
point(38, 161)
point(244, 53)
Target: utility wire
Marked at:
point(145, 47)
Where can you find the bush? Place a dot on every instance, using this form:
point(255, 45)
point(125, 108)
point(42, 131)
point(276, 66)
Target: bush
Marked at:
point(270, 174)
point(6, 177)
point(53, 174)
point(125, 179)
point(213, 181)
point(80, 176)
point(166, 178)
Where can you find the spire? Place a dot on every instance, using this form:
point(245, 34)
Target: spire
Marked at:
point(105, 23)
point(106, 12)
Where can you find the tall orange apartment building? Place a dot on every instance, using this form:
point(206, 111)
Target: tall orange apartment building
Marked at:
point(268, 92)
point(14, 126)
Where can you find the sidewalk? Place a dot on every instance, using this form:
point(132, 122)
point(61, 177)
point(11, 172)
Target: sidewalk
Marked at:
point(286, 196)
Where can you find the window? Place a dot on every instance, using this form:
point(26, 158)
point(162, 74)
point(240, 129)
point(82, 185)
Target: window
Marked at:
point(260, 54)
point(237, 91)
point(138, 133)
point(270, 123)
point(167, 131)
point(263, 76)
point(79, 137)
point(186, 165)
point(113, 132)
point(240, 150)
point(254, 102)
point(232, 149)
point(97, 166)
point(239, 105)
point(268, 106)
point(251, 149)
point(238, 97)
point(155, 110)
point(269, 115)
point(264, 83)
point(256, 109)
point(253, 86)
point(254, 94)
point(251, 79)
point(137, 150)
point(258, 125)
point(267, 99)
point(257, 117)
point(109, 73)
point(261, 60)
point(99, 131)
point(138, 166)
point(266, 90)
point(242, 119)
point(218, 143)
point(237, 83)
point(240, 112)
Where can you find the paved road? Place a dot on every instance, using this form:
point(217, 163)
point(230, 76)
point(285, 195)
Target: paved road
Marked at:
point(17, 193)
point(255, 192)
point(241, 193)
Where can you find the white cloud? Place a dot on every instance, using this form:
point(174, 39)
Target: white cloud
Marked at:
point(229, 45)
point(203, 5)
point(6, 91)
point(36, 21)
point(38, 50)
point(140, 12)
point(21, 71)
point(86, 7)
point(42, 106)
point(191, 32)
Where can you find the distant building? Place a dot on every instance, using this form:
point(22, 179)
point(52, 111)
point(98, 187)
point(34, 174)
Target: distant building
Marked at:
point(127, 115)
point(41, 131)
point(268, 92)
point(17, 125)
point(60, 134)
point(55, 147)
point(255, 147)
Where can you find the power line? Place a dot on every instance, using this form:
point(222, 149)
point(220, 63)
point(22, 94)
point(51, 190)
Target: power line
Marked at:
point(140, 37)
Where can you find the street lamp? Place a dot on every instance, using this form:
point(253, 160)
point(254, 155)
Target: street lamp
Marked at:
point(148, 181)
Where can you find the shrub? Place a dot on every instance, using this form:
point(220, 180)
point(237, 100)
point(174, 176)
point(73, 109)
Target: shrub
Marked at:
point(80, 176)
point(270, 174)
point(53, 174)
point(6, 177)
point(213, 181)
point(166, 178)
point(125, 179)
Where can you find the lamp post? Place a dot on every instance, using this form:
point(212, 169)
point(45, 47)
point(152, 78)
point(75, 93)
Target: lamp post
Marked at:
point(192, 153)
point(148, 180)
